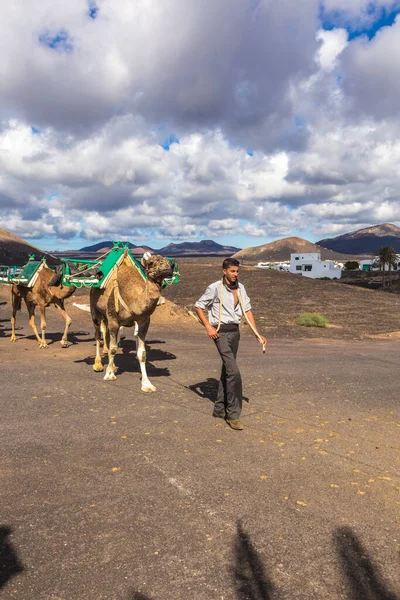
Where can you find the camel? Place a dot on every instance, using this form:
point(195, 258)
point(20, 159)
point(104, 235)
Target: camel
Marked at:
point(41, 294)
point(128, 300)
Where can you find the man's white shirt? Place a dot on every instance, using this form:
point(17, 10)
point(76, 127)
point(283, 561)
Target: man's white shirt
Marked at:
point(210, 301)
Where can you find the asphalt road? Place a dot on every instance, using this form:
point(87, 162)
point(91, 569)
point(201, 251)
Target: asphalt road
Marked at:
point(108, 493)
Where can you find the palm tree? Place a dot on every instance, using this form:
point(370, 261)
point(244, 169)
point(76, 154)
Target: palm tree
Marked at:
point(387, 256)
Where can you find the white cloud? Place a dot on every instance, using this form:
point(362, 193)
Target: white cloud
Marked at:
point(282, 126)
point(371, 73)
point(333, 43)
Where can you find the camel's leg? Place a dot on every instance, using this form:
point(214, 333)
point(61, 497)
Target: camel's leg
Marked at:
point(141, 354)
point(98, 365)
point(113, 329)
point(43, 343)
point(31, 311)
point(16, 305)
point(121, 336)
point(60, 307)
point(103, 329)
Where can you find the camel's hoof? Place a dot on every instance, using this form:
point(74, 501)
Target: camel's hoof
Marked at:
point(13, 339)
point(148, 387)
point(109, 376)
point(98, 368)
point(64, 344)
point(43, 345)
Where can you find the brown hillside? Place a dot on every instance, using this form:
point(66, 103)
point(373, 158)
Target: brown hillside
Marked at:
point(282, 249)
point(14, 250)
point(278, 298)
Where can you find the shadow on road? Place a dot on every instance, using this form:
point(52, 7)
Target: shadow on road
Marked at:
point(9, 562)
point(206, 389)
point(153, 354)
point(126, 359)
point(363, 577)
point(360, 575)
point(251, 580)
point(73, 337)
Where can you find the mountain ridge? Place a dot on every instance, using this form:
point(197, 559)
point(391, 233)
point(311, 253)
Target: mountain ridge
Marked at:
point(280, 250)
point(367, 240)
point(201, 248)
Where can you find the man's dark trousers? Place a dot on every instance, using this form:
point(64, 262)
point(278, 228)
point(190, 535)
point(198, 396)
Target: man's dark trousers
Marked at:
point(229, 397)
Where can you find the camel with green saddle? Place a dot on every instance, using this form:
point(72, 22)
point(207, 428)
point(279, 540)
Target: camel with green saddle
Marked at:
point(34, 285)
point(129, 299)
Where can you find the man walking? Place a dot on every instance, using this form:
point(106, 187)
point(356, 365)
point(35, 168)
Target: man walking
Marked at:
point(226, 301)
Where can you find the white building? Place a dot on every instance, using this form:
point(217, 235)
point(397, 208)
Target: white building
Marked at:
point(311, 265)
point(372, 264)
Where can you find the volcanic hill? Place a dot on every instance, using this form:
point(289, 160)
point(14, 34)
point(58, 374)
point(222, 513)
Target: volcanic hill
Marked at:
point(203, 248)
point(14, 250)
point(365, 241)
point(102, 247)
point(282, 249)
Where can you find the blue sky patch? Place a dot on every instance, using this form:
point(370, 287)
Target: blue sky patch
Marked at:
point(35, 130)
point(378, 18)
point(93, 10)
point(51, 197)
point(171, 139)
point(299, 121)
point(60, 41)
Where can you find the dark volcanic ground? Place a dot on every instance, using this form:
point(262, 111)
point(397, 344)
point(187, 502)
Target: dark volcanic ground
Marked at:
point(108, 493)
point(278, 298)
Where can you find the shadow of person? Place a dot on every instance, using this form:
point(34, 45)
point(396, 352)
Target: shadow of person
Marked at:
point(365, 582)
point(251, 581)
point(9, 562)
point(206, 389)
point(139, 596)
point(209, 389)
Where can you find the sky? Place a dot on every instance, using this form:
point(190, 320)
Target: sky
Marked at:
point(241, 121)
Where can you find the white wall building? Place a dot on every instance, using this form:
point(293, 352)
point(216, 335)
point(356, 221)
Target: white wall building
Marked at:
point(372, 264)
point(311, 265)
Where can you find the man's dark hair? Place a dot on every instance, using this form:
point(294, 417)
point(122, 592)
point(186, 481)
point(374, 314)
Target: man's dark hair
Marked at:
point(230, 262)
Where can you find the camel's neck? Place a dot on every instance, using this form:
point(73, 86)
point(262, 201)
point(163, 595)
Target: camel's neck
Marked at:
point(140, 295)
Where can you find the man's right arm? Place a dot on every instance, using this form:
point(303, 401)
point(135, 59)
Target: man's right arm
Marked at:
point(203, 304)
point(211, 331)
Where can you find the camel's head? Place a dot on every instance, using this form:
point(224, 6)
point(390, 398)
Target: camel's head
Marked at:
point(157, 267)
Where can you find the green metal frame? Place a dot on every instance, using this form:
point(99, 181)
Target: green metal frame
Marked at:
point(26, 275)
point(113, 258)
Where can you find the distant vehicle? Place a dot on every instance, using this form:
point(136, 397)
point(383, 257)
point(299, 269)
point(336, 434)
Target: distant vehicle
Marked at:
point(275, 266)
